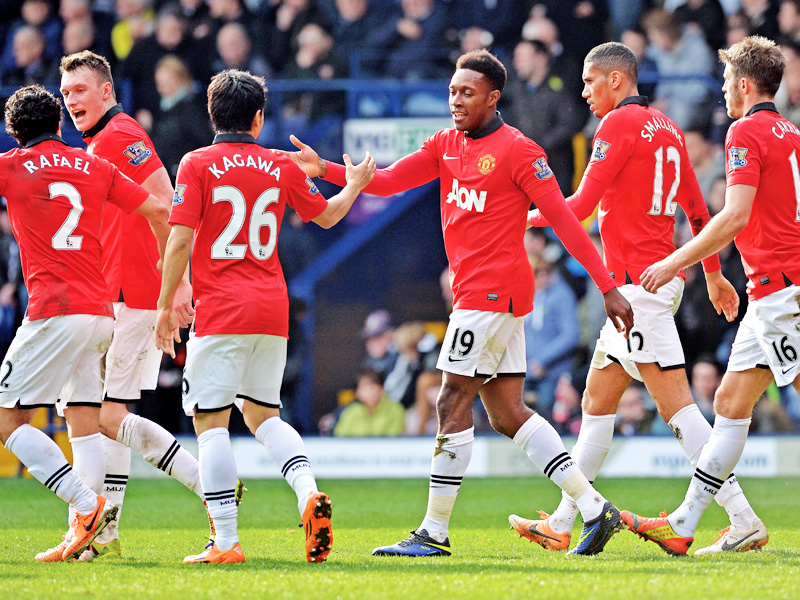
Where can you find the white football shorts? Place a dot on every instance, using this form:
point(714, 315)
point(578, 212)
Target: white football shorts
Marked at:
point(56, 357)
point(653, 337)
point(484, 344)
point(769, 336)
point(223, 370)
point(133, 361)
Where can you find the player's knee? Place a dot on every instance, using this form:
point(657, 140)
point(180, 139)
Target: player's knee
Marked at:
point(725, 403)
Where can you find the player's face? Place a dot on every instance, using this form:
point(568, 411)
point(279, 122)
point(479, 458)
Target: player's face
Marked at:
point(473, 102)
point(733, 96)
point(85, 97)
point(597, 91)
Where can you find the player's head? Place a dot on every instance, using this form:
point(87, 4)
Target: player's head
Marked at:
point(609, 76)
point(475, 89)
point(30, 112)
point(235, 100)
point(754, 68)
point(87, 87)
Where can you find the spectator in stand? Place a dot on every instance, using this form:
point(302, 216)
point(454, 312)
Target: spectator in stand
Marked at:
point(198, 17)
point(763, 16)
point(284, 20)
point(787, 100)
point(789, 21)
point(169, 38)
point(585, 20)
point(233, 11)
point(706, 17)
point(78, 35)
point(501, 18)
point(633, 417)
point(378, 336)
point(354, 26)
point(235, 49)
point(539, 27)
point(401, 382)
point(706, 377)
point(30, 63)
point(314, 61)
point(557, 117)
point(181, 123)
point(372, 413)
point(135, 21)
point(421, 417)
point(39, 15)
point(636, 40)
point(83, 31)
point(415, 41)
point(551, 336)
point(678, 52)
point(737, 28)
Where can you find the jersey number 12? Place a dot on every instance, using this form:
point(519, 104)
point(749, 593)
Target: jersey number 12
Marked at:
point(673, 156)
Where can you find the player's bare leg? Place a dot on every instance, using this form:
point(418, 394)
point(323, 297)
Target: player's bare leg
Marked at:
point(733, 403)
point(287, 449)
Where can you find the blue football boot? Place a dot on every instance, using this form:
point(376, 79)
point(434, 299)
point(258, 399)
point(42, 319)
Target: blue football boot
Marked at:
point(419, 543)
point(596, 533)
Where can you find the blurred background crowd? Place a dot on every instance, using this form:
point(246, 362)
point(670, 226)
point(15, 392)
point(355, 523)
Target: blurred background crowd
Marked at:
point(364, 340)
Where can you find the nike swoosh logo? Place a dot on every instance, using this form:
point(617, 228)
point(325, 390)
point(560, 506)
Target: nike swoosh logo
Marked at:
point(726, 546)
point(449, 157)
point(451, 359)
point(90, 526)
point(535, 531)
point(785, 371)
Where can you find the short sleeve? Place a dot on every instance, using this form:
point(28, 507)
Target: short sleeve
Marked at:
point(743, 154)
point(303, 195)
point(611, 148)
point(530, 171)
point(187, 203)
point(124, 192)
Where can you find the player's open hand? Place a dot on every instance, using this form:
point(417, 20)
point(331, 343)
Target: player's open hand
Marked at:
point(167, 331)
point(658, 274)
point(722, 295)
point(359, 175)
point(305, 157)
point(182, 304)
point(618, 310)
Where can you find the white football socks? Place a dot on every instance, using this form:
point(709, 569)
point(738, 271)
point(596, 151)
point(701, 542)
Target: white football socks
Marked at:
point(160, 448)
point(88, 462)
point(218, 474)
point(451, 457)
point(287, 449)
point(589, 453)
point(49, 466)
point(544, 447)
point(716, 461)
point(693, 432)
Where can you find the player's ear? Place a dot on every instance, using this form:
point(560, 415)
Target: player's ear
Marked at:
point(494, 96)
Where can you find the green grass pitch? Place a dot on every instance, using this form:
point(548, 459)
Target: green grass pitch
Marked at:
point(162, 522)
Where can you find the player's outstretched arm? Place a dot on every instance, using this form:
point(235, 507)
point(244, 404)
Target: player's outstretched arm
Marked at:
point(358, 176)
point(306, 158)
point(719, 232)
point(176, 258)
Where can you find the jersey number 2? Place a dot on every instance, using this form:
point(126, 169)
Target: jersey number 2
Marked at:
point(673, 156)
point(63, 239)
point(260, 217)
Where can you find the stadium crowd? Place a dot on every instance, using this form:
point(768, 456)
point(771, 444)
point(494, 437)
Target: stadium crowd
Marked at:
point(166, 52)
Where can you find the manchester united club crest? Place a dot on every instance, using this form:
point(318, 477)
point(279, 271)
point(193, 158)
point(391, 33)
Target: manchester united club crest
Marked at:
point(486, 164)
point(138, 153)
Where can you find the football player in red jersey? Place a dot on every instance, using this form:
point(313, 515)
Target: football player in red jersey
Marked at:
point(489, 174)
point(229, 199)
point(129, 266)
point(639, 173)
point(762, 216)
point(56, 200)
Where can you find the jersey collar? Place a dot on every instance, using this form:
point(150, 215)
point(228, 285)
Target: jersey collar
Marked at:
point(762, 106)
point(98, 127)
point(43, 138)
point(492, 126)
point(234, 138)
point(640, 100)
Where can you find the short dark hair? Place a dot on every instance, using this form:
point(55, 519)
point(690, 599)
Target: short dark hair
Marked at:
point(371, 374)
point(487, 64)
point(90, 60)
point(759, 60)
point(30, 112)
point(234, 98)
point(613, 56)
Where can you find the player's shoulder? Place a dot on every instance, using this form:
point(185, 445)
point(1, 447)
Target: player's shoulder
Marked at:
point(513, 138)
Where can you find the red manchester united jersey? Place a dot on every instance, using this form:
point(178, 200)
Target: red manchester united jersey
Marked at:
point(488, 180)
point(233, 194)
point(130, 251)
point(763, 150)
point(640, 155)
point(56, 197)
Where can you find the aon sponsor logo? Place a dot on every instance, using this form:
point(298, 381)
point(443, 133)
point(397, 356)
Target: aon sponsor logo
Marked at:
point(465, 198)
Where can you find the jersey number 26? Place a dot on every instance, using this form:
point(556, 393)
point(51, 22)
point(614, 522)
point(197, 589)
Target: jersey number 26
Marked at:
point(223, 248)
